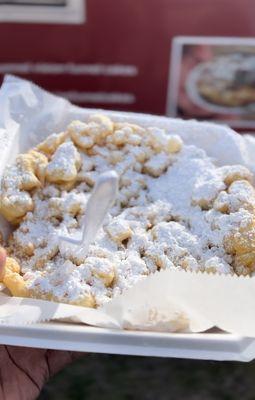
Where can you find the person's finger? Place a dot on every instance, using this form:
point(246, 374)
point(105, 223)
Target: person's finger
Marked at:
point(2, 261)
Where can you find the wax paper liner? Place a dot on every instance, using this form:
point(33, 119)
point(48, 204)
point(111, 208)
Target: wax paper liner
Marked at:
point(168, 300)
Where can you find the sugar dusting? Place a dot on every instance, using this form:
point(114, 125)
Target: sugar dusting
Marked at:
point(194, 177)
point(168, 215)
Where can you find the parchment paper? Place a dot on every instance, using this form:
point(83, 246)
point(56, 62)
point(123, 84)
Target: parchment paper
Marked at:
point(168, 300)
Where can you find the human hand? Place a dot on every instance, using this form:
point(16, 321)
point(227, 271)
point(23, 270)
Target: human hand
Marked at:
point(24, 371)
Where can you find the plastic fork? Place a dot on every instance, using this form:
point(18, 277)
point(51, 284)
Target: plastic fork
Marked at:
point(101, 200)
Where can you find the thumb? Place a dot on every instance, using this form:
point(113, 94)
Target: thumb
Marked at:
point(2, 261)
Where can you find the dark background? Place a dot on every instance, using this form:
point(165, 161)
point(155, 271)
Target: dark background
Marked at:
point(113, 377)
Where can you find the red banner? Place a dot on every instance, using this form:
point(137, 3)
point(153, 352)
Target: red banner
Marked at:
point(119, 57)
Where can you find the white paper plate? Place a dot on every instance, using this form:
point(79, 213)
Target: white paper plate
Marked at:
point(63, 336)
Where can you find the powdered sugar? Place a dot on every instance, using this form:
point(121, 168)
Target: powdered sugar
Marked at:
point(168, 215)
point(194, 180)
point(63, 166)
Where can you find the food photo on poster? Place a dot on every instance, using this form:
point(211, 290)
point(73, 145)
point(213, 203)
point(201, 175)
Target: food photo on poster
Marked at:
point(213, 79)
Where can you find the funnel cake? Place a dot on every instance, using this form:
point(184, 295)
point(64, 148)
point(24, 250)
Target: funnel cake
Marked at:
point(228, 80)
point(175, 209)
